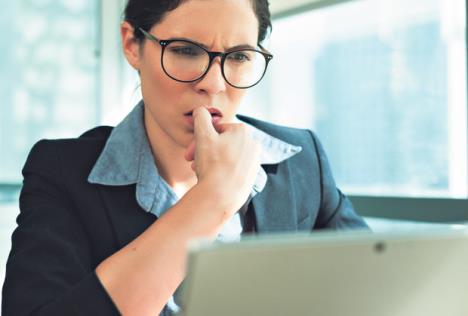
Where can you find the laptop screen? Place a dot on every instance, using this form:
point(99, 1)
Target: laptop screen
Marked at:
point(340, 273)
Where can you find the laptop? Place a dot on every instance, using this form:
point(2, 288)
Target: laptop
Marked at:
point(331, 274)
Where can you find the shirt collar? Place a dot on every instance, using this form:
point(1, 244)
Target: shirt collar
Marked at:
point(127, 159)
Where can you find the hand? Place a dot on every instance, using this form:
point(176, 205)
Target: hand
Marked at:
point(225, 159)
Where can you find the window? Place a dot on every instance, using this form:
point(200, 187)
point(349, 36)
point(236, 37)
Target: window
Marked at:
point(48, 86)
point(383, 84)
point(49, 77)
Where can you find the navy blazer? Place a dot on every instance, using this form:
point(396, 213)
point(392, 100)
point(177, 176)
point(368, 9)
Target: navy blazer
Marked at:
point(67, 226)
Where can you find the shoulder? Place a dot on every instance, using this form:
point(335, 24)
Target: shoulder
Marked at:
point(95, 137)
point(99, 132)
point(81, 151)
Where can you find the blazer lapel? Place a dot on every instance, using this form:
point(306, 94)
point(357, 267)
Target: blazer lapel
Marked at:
point(128, 219)
point(274, 207)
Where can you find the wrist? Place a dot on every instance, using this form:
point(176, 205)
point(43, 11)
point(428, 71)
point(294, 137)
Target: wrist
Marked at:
point(202, 211)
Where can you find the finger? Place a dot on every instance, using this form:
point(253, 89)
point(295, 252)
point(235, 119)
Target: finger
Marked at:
point(218, 127)
point(203, 125)
point(190, 152)
point(222, 128)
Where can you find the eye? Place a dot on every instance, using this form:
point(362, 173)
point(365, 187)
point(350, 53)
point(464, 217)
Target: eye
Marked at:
point(185, 50)
point(239, 57)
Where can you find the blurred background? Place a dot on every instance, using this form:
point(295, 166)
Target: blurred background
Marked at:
point(382, 82)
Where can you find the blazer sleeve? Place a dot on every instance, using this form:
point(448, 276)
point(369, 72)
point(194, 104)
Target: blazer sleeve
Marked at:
point(336, 210)
point(49, 270)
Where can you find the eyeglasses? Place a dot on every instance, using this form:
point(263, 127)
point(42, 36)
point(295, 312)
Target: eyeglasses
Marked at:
point(185, 61)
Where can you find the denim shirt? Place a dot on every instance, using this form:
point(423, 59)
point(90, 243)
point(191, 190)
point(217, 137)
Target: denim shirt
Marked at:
point(127, 159)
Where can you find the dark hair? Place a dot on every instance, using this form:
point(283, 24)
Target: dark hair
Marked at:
point(147, 13)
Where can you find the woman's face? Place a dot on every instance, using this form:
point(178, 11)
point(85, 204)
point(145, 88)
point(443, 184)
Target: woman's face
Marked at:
point(217, 24)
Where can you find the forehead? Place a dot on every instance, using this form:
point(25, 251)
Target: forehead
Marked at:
point(211, 22)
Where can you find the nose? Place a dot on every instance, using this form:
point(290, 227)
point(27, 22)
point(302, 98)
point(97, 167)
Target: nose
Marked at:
point(213, 82)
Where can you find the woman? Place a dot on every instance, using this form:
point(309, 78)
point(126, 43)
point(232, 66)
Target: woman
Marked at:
point(105, 218)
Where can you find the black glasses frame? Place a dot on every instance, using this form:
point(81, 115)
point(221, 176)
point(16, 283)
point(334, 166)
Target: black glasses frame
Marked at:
point(212, 55)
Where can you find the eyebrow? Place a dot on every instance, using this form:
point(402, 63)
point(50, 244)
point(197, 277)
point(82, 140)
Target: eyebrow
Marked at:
point(237, 47)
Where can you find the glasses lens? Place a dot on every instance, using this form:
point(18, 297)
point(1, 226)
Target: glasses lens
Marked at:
point(185, 61)
point(244, 68)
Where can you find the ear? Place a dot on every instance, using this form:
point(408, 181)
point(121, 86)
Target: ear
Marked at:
point(131, 47)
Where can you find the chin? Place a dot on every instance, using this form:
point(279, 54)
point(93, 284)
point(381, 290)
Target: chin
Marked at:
point(185, 139)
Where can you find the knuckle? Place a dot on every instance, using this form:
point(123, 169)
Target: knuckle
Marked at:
point(239, 126)
point(244, 130)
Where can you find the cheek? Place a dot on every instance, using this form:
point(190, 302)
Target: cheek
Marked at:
point(235, 98)
point(240, 93)
point(152, 76)
point(157, 88)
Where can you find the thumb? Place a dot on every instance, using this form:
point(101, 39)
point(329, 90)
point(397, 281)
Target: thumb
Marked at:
point(203, 126)
point(190, 151)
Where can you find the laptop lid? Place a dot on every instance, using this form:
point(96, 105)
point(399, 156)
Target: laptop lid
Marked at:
point(331, 274)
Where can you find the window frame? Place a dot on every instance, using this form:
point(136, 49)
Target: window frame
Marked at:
point(437, 210)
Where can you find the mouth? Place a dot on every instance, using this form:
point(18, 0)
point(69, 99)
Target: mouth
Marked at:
point(215, 113)
point(216, 116)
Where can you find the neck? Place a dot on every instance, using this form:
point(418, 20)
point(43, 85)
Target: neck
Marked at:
point(169, 159)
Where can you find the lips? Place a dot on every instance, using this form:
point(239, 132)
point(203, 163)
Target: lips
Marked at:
point(213, 111)
point(216, 116)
